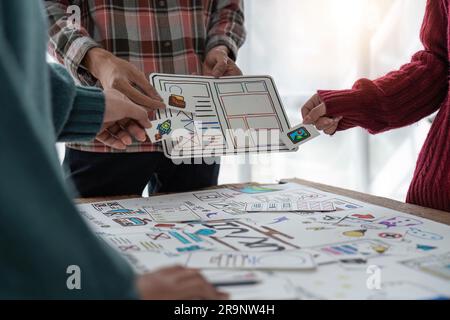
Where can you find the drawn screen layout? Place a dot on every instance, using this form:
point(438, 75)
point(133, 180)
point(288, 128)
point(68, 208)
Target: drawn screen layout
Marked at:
point(222, 107)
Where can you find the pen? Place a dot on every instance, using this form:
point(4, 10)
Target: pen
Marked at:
point(235, 283)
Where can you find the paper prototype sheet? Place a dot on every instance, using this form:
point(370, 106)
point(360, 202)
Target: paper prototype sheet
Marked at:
point(352, 246)
point(232, 115)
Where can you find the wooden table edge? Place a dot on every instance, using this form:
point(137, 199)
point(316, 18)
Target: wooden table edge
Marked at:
point(427, 213)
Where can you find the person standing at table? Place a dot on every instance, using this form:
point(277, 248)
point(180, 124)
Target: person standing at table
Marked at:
point(118, 45)
point(401, 98)
point(47, 251)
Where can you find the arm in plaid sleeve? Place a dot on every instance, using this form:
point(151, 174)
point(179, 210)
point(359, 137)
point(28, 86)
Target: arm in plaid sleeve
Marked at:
point(69, 43)
point(227, 26)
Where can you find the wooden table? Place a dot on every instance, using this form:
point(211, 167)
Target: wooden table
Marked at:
point(431, 214)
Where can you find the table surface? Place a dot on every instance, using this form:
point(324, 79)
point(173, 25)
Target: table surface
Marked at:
point(431, 214)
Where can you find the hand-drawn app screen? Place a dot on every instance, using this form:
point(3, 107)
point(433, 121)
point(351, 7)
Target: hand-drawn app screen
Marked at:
point(299, 135)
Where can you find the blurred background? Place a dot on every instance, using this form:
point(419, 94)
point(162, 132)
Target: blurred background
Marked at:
point(328, 44)
point(307, 45)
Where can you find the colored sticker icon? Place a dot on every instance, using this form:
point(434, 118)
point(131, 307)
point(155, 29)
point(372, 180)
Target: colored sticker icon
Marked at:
point(177, 101)
point(355, 233)
point(299, 135)
point(390, 235)
point(163, 129)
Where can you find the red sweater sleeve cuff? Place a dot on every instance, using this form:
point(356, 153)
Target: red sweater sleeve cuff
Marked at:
point(357, 106)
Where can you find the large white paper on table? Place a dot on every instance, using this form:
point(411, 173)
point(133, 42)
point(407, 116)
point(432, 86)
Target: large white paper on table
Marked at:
point(351, 246)
point(285, 260)
point(234, 114)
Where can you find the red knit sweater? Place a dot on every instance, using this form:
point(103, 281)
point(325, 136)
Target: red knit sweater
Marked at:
point(403, 97)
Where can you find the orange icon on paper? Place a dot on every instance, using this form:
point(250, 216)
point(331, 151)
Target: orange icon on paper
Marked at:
point(177, 101)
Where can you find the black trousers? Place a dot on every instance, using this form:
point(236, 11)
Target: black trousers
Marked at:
point(112, 174)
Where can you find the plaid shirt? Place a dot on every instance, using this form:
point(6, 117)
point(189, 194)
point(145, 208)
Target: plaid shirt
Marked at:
point(168, 36)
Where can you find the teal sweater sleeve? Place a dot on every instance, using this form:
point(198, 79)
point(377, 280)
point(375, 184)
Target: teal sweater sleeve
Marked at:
point(77, 111)
point(41, 233)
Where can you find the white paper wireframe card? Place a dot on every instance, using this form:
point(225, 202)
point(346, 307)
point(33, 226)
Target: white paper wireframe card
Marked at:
point(240, 260)
point(299, 135)
point(233, 115)
point(290, 206)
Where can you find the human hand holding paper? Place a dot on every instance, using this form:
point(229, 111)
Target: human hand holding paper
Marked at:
point(218, 64)
point(123, 120)
point(119, 76)
point(115, 73)
point(314, 112)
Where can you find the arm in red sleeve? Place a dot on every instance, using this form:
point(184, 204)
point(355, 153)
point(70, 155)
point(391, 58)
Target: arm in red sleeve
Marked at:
point(401, 97)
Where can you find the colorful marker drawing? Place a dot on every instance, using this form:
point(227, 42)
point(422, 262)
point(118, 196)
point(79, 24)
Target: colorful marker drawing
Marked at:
point(362, 216)
point(107, 206)
point(256, 189)
point(355, 233)
point(365, 247)
point(390, 235)
point(279, 220)
point(423, 247)
point(425, 235)
point(132, 222)
point(124, 212)
point(394, 222)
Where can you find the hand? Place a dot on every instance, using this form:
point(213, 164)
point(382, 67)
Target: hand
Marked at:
point(115, 73)
point(123, 121)
point(177, 283)
point(218, 63)
point(314, 112)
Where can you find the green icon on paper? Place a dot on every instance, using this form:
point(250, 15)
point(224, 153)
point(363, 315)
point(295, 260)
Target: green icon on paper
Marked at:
point(163, 129)
point(299, 135)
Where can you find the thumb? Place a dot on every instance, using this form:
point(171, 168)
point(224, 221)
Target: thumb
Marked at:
point(220, 68)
